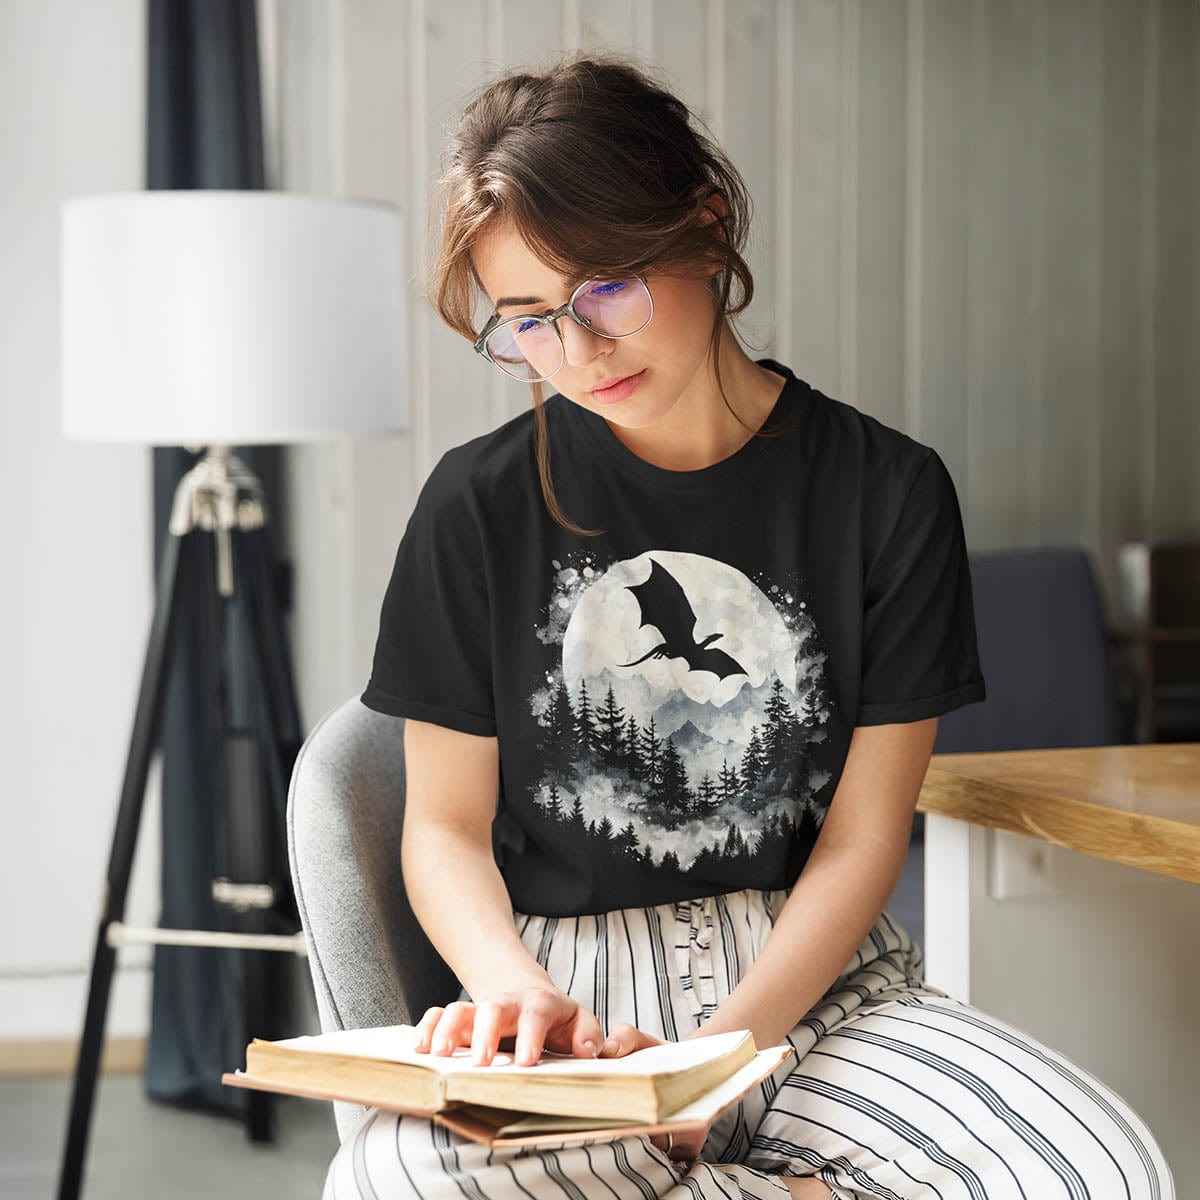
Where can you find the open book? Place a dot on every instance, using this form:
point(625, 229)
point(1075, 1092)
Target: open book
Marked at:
point(558, 1098)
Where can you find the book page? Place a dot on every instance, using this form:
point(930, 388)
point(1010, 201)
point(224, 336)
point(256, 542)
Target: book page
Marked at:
point(700, 1112)
point(693, 1116)
point(393, 1043)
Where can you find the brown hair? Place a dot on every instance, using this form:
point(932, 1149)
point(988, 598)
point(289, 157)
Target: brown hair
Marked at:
point(596, 165)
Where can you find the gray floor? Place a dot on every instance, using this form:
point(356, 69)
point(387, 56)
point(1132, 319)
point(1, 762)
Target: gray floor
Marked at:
point(140, 1148)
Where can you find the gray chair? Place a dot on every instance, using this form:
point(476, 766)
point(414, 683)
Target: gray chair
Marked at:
point(1044, 651)
point(370, 961)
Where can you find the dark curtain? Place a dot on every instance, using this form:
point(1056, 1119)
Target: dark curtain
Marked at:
point(204, 131)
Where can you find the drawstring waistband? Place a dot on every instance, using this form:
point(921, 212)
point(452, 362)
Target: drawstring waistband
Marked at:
point(693, 954)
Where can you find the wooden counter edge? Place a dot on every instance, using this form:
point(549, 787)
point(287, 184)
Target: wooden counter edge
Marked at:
point(1150, 843)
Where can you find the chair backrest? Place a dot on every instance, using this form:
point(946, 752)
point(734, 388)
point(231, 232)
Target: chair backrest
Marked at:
point(1043, 650)
point(370, 961)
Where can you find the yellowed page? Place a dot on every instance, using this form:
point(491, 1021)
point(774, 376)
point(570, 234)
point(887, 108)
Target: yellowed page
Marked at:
point(393, 1043)
point(703, 1109)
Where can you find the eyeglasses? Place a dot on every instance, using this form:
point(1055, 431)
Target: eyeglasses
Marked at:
point(531, 348)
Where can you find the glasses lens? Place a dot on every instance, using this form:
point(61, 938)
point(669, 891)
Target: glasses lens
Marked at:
point(616, 307)
point(526, 349)
point(529, 348)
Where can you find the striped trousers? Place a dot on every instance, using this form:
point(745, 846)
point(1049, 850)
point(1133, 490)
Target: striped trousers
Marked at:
point(896, 1089)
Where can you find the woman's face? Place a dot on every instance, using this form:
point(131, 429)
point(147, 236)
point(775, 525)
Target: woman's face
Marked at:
point(671, 353)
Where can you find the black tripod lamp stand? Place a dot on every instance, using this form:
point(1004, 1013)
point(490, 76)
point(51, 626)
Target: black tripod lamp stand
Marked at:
point(216, 319)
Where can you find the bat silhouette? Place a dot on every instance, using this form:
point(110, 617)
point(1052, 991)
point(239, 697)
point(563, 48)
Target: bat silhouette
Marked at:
point(665, 606)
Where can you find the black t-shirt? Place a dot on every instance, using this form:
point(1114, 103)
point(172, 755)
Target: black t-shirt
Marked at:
point(674, 698)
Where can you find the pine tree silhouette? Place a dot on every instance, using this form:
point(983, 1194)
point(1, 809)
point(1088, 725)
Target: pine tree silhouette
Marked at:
point(558, 737)
point(810, 706)
point(609, 719)
point(777, 741)
point(650, 755)
point(627, 841)
point(575, 821)
point(728, 782)
point(632, 760)
point(554, 805)
point(735, 846)
point(752, 760)
point(673, 785)
point(585, 730)
point(808, 825)
point(708, 796)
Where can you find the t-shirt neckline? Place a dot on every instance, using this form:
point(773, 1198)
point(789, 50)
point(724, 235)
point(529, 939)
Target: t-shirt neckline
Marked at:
point(598, 431)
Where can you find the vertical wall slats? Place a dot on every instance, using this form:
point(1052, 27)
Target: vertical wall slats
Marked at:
point(1000, 276)
point(1177, 314)
point(749, 119)
point(881, 156)
point(1065, 334)
point(815, 187)
point(847, 230)
point(1125, 167)
point(976, 220)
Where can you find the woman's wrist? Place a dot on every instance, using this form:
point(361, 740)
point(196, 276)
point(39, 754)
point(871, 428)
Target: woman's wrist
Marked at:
point(520, 978)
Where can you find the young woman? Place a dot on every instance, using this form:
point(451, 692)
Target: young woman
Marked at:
point(693, 622)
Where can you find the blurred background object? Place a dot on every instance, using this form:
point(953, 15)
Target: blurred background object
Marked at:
point(219, 317)
point(1159, 605)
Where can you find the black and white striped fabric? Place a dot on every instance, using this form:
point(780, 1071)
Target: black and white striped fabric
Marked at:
point(896, 1089)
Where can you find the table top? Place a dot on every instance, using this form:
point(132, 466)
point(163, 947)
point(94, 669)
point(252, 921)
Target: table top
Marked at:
point(1138, 805)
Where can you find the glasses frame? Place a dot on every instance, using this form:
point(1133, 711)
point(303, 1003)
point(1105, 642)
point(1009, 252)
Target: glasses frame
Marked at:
point(551, 318)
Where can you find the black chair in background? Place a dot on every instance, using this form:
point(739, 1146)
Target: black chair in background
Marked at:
point(1159, 598)
point(1046, 655)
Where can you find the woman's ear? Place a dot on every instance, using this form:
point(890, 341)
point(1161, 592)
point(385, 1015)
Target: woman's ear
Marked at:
point(716, 207)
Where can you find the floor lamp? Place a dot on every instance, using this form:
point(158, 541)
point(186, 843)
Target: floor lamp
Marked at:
point(216, 319)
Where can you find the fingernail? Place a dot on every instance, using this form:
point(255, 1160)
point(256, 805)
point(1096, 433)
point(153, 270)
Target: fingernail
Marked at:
point(590, 1047)
point(524, 1053)
point(611, 1046)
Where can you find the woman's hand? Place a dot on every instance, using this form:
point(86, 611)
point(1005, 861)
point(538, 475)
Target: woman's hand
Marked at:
point(536, 1017)
point(625, 1039)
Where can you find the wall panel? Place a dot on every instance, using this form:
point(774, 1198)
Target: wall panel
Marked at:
point(975, 220)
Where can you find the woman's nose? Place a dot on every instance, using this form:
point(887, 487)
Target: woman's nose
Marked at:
point(580, 345)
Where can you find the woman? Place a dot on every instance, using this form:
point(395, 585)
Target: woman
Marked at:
point(707, 710)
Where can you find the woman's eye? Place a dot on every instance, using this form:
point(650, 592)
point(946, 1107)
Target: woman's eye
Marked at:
point(525, 326)
point(609, 289)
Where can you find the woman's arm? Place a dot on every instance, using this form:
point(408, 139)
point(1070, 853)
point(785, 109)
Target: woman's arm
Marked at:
point(454, 886)
point(848, 878)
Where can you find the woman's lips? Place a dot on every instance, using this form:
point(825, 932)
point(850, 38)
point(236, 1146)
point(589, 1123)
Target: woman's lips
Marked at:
point(620, 390)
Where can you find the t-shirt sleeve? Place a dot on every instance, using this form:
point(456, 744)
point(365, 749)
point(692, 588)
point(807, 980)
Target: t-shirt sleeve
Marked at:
point(920, 657)
point(432, 657)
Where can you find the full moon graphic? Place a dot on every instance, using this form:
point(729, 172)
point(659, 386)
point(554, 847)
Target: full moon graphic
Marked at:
point(680, 723)
point(607, 631)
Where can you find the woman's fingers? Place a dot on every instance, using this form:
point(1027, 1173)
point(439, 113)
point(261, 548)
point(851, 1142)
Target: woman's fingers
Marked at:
point(425, 1027)
point(586, 1034)
point(624, 1038)
point(537, 1017)
point(454, 1027)
point(491, 1019)
point(541, 1010)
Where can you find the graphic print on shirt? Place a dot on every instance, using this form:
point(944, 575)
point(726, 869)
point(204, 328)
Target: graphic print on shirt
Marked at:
point(677, 726)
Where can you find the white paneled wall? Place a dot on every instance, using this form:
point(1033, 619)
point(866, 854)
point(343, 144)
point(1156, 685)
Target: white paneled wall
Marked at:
point(978, 221)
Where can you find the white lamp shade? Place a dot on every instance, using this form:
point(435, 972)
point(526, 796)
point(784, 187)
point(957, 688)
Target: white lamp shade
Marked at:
point(230, 318)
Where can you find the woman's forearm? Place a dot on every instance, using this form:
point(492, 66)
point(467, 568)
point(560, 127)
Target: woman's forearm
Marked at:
point(834, 903)
point(458, 895)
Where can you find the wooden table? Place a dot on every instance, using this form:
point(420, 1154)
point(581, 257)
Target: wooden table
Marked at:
point(1060, 896)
